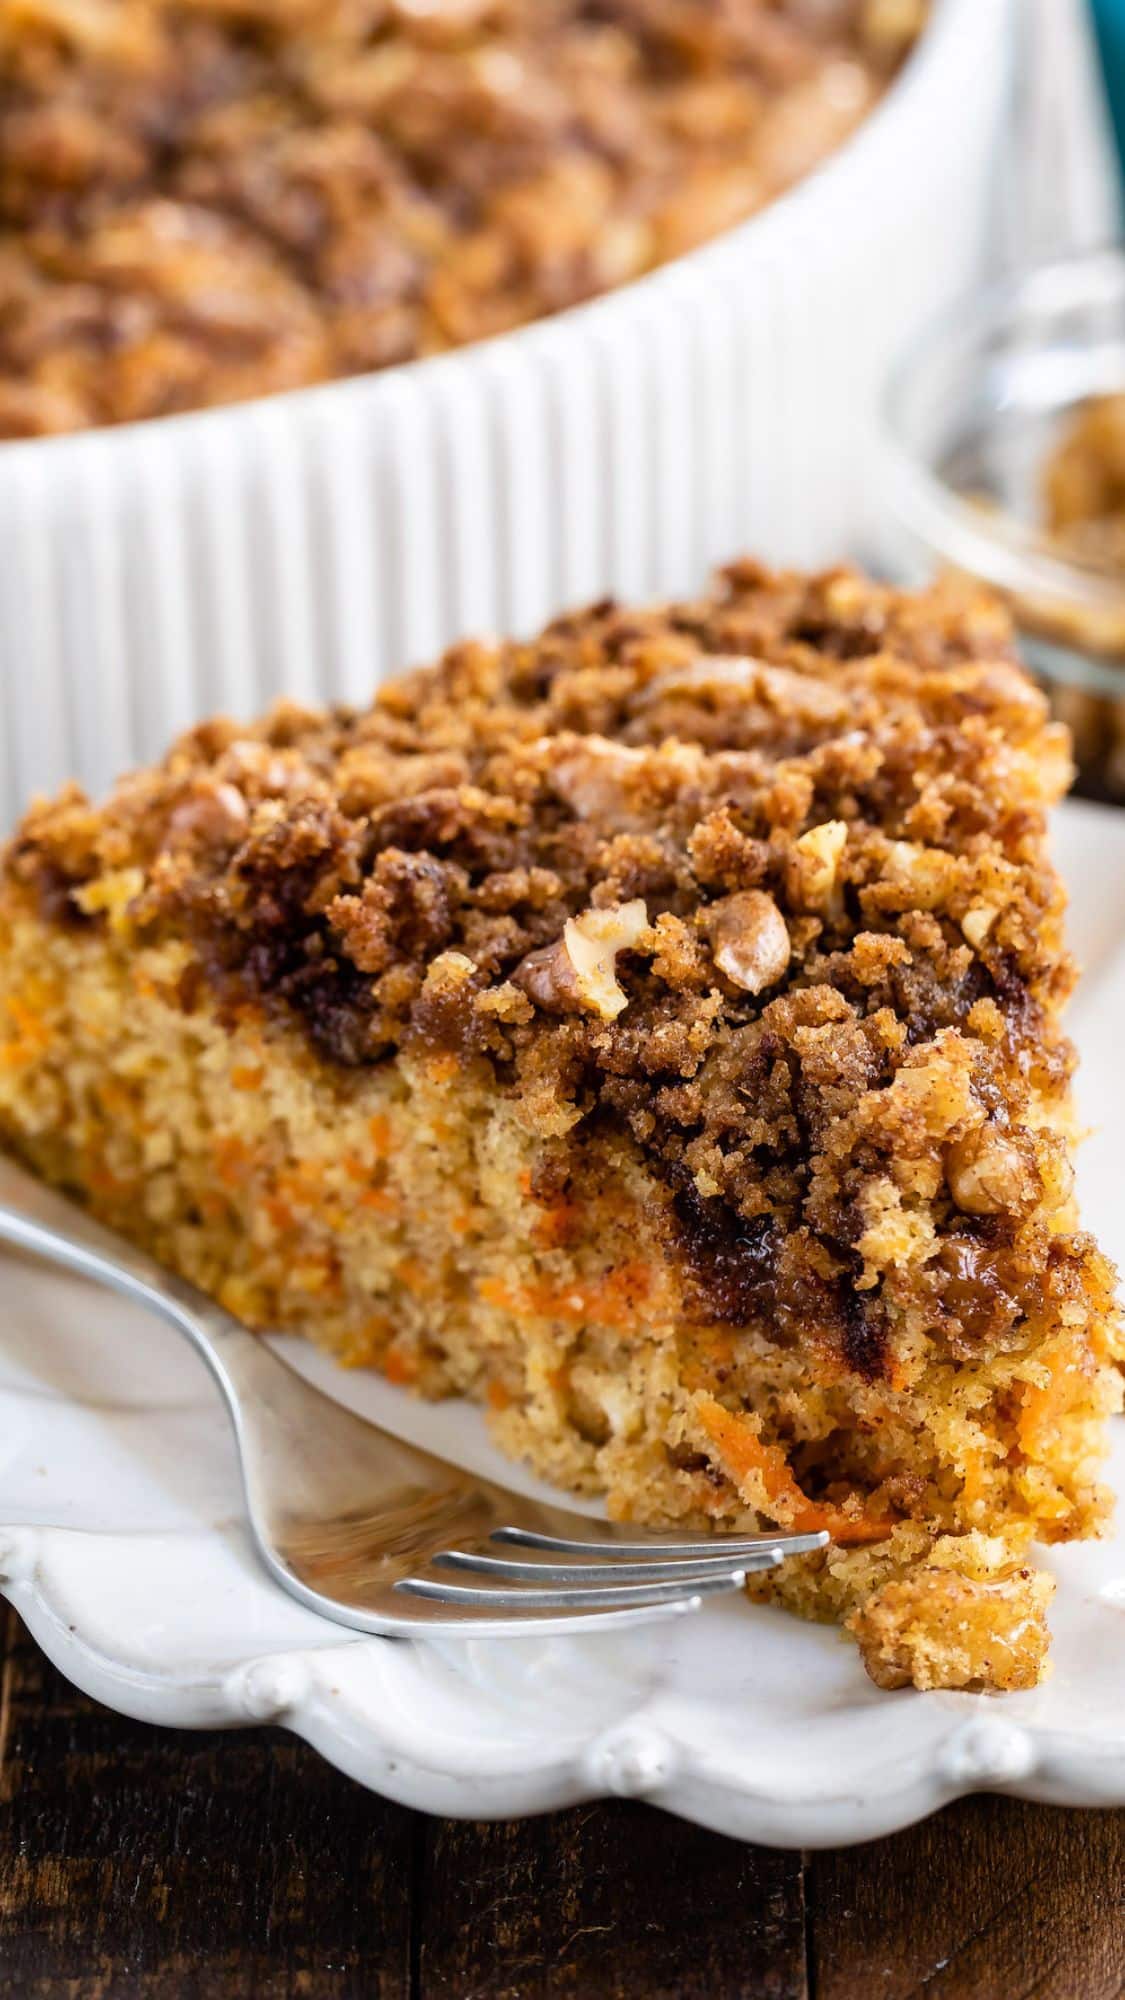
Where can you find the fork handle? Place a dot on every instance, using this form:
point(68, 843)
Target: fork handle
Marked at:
point(343, 1513)
point(300, 1451)
point(34, 1218)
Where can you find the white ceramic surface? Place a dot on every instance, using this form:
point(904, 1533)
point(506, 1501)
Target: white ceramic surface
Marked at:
point(122, 1547)
point(312, 543)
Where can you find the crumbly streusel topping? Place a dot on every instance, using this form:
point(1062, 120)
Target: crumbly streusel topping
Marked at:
point(761, 878)
point(202, 200)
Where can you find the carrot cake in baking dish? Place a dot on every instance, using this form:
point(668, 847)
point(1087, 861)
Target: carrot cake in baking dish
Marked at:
point(203, 200)
point(652, 1031)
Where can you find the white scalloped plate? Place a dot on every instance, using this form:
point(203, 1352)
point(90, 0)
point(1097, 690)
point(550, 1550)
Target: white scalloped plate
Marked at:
point(124, 1551)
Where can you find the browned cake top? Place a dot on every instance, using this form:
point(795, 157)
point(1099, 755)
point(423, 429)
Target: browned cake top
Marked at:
point(759, 878)
point(208, 199)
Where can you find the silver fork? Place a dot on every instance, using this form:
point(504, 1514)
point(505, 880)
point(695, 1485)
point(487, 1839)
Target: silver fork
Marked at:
point(368, 1530)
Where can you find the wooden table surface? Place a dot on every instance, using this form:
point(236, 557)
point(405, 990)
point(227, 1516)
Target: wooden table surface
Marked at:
point(135, 1860)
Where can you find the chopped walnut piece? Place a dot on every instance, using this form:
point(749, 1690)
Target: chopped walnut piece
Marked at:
point(591, 775)
point(987, 1172)
point(922, 875)
point(212, 811)
point(710, 673)
point(718, 676)
point(977, 922)
point(256, 768)
point(578, 972)
point(602, 780)
point(815, 864)
point(749, 940)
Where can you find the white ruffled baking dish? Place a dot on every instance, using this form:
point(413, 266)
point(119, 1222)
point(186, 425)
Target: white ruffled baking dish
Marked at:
point(313, 542)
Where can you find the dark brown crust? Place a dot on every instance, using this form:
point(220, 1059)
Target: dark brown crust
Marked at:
point(202, 200)
point(874, 765)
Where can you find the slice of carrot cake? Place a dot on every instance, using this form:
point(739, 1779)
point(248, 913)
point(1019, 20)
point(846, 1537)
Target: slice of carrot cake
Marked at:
point(651, 1030)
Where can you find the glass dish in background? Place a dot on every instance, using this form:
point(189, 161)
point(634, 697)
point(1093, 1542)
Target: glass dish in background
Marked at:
point(974, 412)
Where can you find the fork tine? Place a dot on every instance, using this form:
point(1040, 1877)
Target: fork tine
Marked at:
point(666, 1549)
point(605, 1597)
point(369, 1502)
point(609, 1569)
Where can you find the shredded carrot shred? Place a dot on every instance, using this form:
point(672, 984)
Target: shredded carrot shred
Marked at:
point(399, 1367)
point(32, 1034)
point(557, 1224)
point(609, 1301)
point(1043, 1404)
point(232, 1161)
point(743, 1455)
point(381, 1201)
point(27, 1020)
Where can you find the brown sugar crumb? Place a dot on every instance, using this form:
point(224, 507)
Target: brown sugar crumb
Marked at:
point(203, 200)
point(656, 1025)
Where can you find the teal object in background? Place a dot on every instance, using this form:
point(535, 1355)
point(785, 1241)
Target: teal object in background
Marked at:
point(1109, 16)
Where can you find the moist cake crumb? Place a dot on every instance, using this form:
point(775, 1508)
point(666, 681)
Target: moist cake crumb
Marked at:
point(652, 1030)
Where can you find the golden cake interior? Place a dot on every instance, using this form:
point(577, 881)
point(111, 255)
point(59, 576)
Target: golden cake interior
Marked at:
point(651, 1031)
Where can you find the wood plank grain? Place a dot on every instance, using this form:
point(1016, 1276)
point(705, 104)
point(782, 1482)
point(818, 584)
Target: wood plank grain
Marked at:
point(990, 1900)
point(137, 1861)
point(608, 1902)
